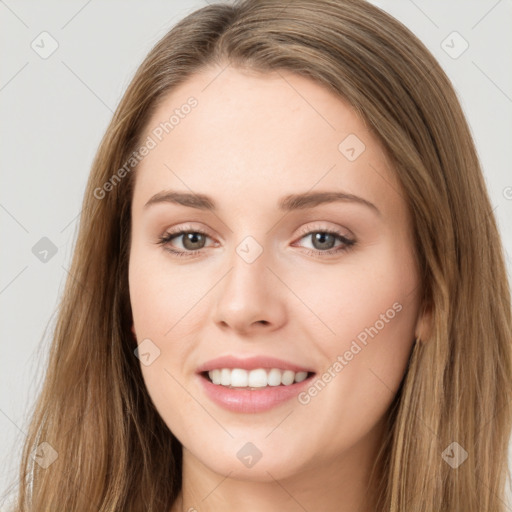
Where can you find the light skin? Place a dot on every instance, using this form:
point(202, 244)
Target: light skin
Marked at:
point(252, 140)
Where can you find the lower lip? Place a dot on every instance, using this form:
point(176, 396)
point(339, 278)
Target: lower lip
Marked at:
point(251, 400)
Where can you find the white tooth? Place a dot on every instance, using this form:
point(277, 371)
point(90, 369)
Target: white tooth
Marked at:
point(300, 376)
point(274, 377)
point(225, 376)
point(257, 378)
point(214, 376)
point(287, 378)
point(239, 378)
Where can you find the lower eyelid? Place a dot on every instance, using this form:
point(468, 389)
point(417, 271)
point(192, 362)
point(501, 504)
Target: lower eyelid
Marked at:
point(170, 236)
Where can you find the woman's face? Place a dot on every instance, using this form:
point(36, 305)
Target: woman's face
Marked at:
point(297, 265)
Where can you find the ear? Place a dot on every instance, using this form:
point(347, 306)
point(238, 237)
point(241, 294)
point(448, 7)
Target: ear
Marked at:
point(423, 329)
point(133, 331)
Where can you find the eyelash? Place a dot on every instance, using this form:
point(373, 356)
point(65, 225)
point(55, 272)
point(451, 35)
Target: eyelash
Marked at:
point(167, 237)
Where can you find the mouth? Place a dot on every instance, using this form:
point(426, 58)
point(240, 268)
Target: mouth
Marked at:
point(259, 378)
point(252, 384)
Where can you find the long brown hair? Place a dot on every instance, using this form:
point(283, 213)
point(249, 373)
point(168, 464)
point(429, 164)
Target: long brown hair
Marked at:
point(114, 450)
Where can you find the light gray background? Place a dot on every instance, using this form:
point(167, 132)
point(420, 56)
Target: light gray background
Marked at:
point(54, 112)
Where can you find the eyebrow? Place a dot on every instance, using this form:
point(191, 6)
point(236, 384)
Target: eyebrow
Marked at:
point(287, 203)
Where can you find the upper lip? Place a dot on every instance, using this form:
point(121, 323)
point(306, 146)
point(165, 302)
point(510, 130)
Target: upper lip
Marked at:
point(250, 363)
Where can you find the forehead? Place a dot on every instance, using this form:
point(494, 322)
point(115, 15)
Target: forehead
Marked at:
point(258, 137)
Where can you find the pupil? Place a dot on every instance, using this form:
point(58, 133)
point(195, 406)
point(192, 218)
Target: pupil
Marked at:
point(321, 238)
point(193, 239)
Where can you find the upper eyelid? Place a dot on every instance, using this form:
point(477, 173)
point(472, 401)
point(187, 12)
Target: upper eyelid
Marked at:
point(180, 231)
point(303, 231)
point(319, 229)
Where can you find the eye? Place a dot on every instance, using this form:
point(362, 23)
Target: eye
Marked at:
point(194, 240)
point(324, 240)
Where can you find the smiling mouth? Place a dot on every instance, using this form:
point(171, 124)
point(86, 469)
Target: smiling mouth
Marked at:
point(238, 378)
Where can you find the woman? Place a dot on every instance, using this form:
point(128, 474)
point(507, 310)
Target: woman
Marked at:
point(288, 288)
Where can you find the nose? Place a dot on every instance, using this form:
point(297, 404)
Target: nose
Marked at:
point(250, 298)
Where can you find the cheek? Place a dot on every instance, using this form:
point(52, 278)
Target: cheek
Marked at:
point(371, 311)
point(161, 295)
point(160, 300)
point(166, 304)
point(367, 305)
point(371, 293)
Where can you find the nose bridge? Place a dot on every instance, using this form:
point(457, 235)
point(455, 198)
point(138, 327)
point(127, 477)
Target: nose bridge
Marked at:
point(248, 275)
point(249, 250)
point(248, 296)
